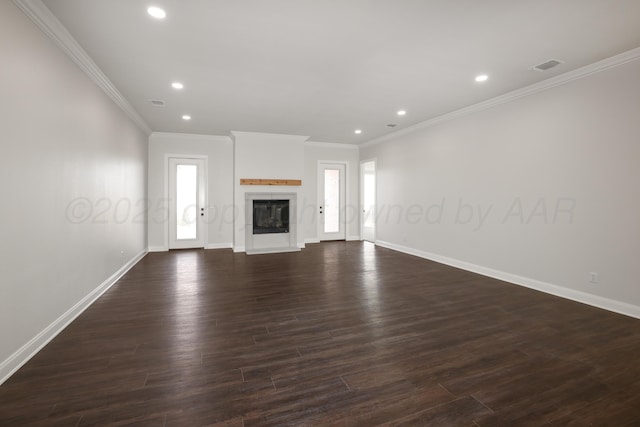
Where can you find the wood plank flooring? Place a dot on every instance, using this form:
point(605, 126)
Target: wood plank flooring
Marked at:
point(340, 334)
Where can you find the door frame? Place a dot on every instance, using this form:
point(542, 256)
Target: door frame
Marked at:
point(165, 204)
point(320, 178)
point(375, 192)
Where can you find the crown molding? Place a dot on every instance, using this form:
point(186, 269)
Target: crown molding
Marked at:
point(53, 28)
point(331, 145)
point(191, 136)
point(270, 136)
point(580, 73)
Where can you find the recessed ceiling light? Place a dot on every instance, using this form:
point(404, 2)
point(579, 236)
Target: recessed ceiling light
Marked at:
point(358, 131)
point(482, 78)
point(156, 12)
point(186, 117)
point(401, 112)
point(177, 85)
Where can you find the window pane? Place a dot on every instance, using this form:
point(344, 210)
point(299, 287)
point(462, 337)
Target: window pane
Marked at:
point(186, 201)
point(332, 201)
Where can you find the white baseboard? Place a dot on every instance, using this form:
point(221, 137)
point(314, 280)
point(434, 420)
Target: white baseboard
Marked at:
point(560, 291)
point(272, 251)
point(209, 246)
point(219, 246)
point(27, 351)
point(238, 249)
point(348, 239)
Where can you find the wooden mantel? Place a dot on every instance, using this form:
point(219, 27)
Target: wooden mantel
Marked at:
point(254, 181)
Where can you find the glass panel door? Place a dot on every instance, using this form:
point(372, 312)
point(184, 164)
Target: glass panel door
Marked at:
point(186, 201)
point(187, 190)
point(332, 200)
point(368, 197)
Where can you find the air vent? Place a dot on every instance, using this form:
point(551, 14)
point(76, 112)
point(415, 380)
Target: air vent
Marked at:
point(157, 102)
point(547, 65)
point(392, 125)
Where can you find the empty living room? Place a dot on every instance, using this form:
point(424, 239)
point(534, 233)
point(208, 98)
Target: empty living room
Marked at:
point(320, 213)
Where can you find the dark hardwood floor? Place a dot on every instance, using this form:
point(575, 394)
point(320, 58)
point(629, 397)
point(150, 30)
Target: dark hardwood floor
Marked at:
point(339, 334)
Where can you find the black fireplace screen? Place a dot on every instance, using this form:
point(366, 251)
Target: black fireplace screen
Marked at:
point(270, 216)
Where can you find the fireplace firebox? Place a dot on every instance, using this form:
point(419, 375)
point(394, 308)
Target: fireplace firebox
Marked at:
point(270, 216)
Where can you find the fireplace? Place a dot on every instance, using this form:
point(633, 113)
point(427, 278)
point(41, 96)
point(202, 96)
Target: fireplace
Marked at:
point(270, 222)
point(270, 216)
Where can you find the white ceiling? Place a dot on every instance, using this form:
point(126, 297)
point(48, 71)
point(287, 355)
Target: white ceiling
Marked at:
point(323, 68)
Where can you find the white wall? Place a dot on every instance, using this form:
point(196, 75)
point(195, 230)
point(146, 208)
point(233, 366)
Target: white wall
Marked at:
point(265, 156)
point(73, 186)
point(219, 153)
point(541, 190)
point(342, 153)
